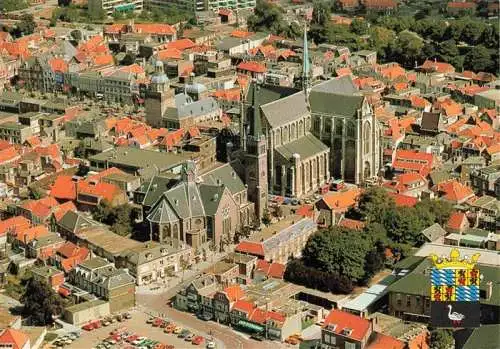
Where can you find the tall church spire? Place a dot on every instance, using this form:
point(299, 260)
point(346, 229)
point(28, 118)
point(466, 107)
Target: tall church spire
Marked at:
point(256, 126)
point(305, 63)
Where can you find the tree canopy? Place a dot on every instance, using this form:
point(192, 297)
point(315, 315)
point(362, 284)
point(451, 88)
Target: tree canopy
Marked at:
point(41, 303)
point(120, 218)
point(268, 17)
point(337, 250)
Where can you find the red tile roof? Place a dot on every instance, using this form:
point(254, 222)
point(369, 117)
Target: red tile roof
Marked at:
point(258, 316)
point(103, 60)
point(456, 220)
point(108, 172)
point(342, 200)
point(276, 270)
point(352, 224)
point(455, 191)
point(104, 191)
point(234, 292)
point(262, 265)
point(64, 188)
point(169, 53)
point(232, 94)
point(62, 209)
point(381, 341)
point(243, 306)
point(439, 67)
point(253, 248)
point(155, 28)
point(41, 208)
point(225, 12)
point(30, 234)
point(254, 67)
point(14, 224)
point(8, 155)
point(242, 34)
point(305, 211)
point(403, 200)
point(58, 65)
point(359, 326)
point(16, 339)
point(461, 5)
point(181, 44)
point(413, 161)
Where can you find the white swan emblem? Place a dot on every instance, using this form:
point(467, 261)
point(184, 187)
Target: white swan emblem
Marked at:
point(456, 318)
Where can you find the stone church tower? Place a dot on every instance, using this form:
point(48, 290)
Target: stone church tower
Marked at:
point(158, 97)
point(255, 152)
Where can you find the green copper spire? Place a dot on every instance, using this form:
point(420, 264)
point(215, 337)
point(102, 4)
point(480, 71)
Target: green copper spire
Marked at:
point(305, 60)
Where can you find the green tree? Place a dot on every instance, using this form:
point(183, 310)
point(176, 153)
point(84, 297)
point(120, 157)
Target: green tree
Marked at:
point(397, 23)
point(442, 339)
point(337, 250)
point(320, 22)
point(266, 218)
point(120, 218)
point(448, 50)
point(374, 203)
point(408, 48)
point(359, 26)
point(381, 39)
point(478, 59)
point(40, 302)
point(267, 17)
point(440, 209)
point(14, 5)
point(431, 27)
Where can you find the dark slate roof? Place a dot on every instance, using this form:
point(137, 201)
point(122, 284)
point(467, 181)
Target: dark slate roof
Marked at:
point(162, 212)
point(73, 221)
point(305, 146)
point(155, 188)
point(433, 232)
point(211, 196)
point(114, 278)
point(343, 85)
point(430, 122)
point(227, 176)
point(335, 104)
point(263, 95)
point(294, 105)
point(337, 96)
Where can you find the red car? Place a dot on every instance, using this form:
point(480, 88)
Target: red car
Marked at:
point(132, 338)
point(198, 340)
point(88, 327)
point(157, 322)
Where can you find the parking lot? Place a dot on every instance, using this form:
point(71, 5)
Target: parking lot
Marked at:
point(138, 326)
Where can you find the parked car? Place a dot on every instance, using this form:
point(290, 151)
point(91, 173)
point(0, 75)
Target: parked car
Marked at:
point(211, 345)
point(292, 340)
point(177, 330)
point(198, 340)
point(127, 315)
point(157, 322)
point(184, 333)
point(189, 337)
point(150, 320)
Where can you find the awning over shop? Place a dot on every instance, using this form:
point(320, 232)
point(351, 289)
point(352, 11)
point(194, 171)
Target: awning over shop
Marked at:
point(250, 326)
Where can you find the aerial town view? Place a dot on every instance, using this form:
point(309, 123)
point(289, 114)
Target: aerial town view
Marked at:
point(249, 174)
